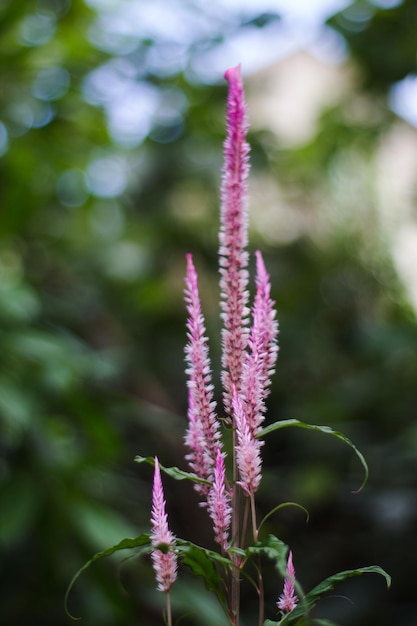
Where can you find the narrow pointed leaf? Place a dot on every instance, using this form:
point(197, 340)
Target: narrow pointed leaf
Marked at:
point(174, 472)
point(282, 506)
point(323, 429)
point(314, 596)
point(125, 544)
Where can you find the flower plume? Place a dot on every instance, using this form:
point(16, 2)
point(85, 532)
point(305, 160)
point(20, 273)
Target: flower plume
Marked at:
point(164, 563)
point(203, 433)
point(247, 450)
point(219, 503)
point(233, 237)
point(263, 350)
point(288, 600)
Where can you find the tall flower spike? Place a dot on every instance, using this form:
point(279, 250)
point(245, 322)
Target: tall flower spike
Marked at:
point(263, 349)
point(219, 503)
point(203, 433)
point(288, 600)
point(164, 563)
point(233, 237)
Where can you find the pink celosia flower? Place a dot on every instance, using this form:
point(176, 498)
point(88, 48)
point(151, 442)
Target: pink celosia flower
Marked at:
point(247, 450)
point(219, 503)
point(202, 436)
point(197, 458)
point(288, 600)
point(264, 318)
point(263, 350)
point(233, 258)
point(164, 563)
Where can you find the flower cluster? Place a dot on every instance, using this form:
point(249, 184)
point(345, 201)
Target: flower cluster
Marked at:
point(249, 353)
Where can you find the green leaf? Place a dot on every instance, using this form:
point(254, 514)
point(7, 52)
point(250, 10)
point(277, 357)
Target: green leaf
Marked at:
point(282, 506)
point(323, 429)
point(174, 472)
point(314, 596)
point(142, 540)
point(274, 549)
point(99, 525)
point(202, 563)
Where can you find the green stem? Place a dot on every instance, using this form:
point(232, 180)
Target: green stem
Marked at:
point(245, 521)
point(261, 593)
point(169, 612)
point(235, 584)
point(253, 511)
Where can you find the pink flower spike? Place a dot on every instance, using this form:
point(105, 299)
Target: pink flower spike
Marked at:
point(263, 350)
point(203, 434)
point(197, 458)
point(264, 310)
point(219, 503)
point(247, 450)
point(164, 563)
point(233, 237)
point(288, 600)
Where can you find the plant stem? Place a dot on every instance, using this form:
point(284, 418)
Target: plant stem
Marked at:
point(261, 594)
point(253, 511)
point(245, 521)
point(169, 613)
point(235, 587)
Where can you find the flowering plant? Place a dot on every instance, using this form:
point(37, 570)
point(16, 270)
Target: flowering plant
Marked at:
point(249, 353)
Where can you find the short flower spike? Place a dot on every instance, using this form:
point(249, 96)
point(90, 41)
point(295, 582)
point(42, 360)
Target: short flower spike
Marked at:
point(288, 600)
point(164, 563)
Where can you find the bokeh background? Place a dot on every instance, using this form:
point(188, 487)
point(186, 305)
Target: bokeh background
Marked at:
point(111, 130)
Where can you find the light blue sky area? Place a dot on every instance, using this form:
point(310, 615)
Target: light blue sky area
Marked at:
point(184, 34)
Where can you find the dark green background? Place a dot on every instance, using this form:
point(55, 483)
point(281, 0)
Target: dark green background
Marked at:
point(92, 334)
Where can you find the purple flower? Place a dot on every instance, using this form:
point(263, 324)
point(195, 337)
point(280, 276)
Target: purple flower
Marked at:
point(203, 433)
point(233, 237)
point(219, 503)
point(164, 563)
point(288, 600)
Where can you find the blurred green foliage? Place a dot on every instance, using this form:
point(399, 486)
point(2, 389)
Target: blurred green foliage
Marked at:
point(99, 206)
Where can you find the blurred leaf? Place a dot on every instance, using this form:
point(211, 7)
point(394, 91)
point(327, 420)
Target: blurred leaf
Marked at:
point(16, 408)
point(367, 29)
point(98, 524)
point(20, 501)
point(18, 302)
